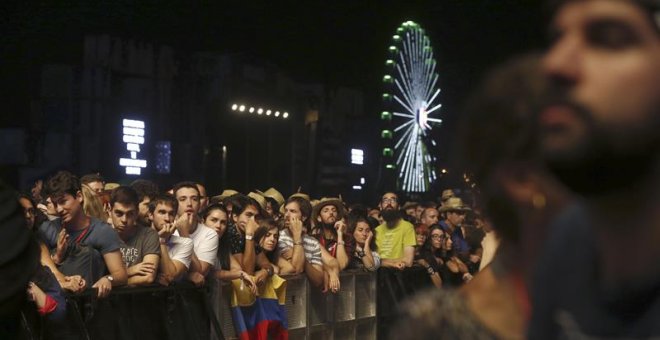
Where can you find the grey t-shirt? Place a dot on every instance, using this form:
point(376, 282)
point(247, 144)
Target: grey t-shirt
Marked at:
point(101, 235)
point(144, 242)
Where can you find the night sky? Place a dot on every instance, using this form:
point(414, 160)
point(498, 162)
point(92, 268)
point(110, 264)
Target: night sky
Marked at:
point(338, 43)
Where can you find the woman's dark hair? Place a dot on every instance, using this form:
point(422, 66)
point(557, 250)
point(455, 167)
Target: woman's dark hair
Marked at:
point(39, 216)
point(266, 225)
point(352, 221)
point(209, 208)
point(429, 254)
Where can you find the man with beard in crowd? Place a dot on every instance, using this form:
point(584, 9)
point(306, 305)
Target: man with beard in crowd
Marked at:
point(395, 238)
point(330, 230)
point(599, 135)
point(146, 191)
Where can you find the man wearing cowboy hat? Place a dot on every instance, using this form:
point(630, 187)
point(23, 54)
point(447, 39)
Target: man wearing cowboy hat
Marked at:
point(395, 237)
point(455, 211)
point(329, 229)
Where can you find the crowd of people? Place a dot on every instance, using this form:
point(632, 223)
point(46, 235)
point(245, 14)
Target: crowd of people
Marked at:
point(94, 234)
point(561, 241)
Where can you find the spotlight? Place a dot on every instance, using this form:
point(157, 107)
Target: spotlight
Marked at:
point(251, 109)
point(260, 111)
point(277, 113)
point(241, 108)
point(285, 115)
point(234, 107)
point(268, 112)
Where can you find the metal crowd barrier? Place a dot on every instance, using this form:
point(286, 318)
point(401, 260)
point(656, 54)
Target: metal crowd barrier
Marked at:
point(364, 308)
point(311, 314)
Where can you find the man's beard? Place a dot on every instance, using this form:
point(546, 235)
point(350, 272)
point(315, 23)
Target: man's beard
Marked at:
point(390, 215)
point(606, 162)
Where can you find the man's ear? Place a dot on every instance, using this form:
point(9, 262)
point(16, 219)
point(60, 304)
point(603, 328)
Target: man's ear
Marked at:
point(79, 197)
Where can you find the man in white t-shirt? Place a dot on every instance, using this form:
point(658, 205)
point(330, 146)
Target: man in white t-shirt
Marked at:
point(176, 251)
point(205, 240)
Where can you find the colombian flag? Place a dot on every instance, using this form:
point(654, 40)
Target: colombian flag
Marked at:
point(262, 316)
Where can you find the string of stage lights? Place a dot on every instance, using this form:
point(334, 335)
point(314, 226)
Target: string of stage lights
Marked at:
point(259, 111)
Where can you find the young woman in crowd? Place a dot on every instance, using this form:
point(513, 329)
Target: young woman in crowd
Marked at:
point(267, 236)
point(227, 267)
point(436, 255)
point(365, 255)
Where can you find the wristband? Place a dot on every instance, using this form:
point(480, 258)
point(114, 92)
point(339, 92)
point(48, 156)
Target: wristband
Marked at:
point(248, 237)
point(298, 243)
point(341, 243)
point(430, 270)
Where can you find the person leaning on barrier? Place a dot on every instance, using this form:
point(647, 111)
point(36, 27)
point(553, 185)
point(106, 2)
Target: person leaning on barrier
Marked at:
point(74, 283)
point(94, 241)
point(365, 255)
point(299, 252)
point(205, 240)
point(175, 251)
point(140, 250)
point(241, 239)
point(329, 227)
point(395, 237)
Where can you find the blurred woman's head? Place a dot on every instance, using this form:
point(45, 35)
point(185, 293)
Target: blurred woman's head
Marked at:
point(499, 147)
point(92, 203)
point(360, 227)
point(421, 233)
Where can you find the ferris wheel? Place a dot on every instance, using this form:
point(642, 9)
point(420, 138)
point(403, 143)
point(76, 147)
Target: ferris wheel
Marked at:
point(411, 100)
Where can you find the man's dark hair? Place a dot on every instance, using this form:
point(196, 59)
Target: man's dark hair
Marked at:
point(305, 209)
point(215, 206)
point(240, 202)
point(89, 178)
point(145, 188)
point(166, 199)
point(124, 195)
point(186, 184)
point(61, 183)
point(650, 7)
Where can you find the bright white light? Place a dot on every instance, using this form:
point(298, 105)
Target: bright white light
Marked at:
point(285, 115)
point(241, 108)
point(140, 163)
point(134, 131)
point(234, 107)
point(133, 155)
point(362, 180)
point(357, 156)
point(277, 113)
point(133, 147)
point(268, 112)
point(357, 187)
point(133, 171)
point(251, 110)
point(260, 111)
point(133, 139)
point(133, 123)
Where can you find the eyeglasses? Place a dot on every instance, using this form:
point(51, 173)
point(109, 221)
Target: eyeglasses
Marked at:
point(389, 200)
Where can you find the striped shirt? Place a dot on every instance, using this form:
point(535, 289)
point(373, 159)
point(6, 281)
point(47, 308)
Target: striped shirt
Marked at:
point(311, 246)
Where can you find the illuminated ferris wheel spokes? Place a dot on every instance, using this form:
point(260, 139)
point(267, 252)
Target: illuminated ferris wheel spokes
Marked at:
point(414, 92)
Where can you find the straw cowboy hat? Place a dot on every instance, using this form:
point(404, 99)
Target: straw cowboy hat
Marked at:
point(274, 194)
point(325, 201)
point(226, 193)
point(297, 194)
point(454, 204)
point(447, 194)
point(409, 204)
point(259, 198)
point(110, 186)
